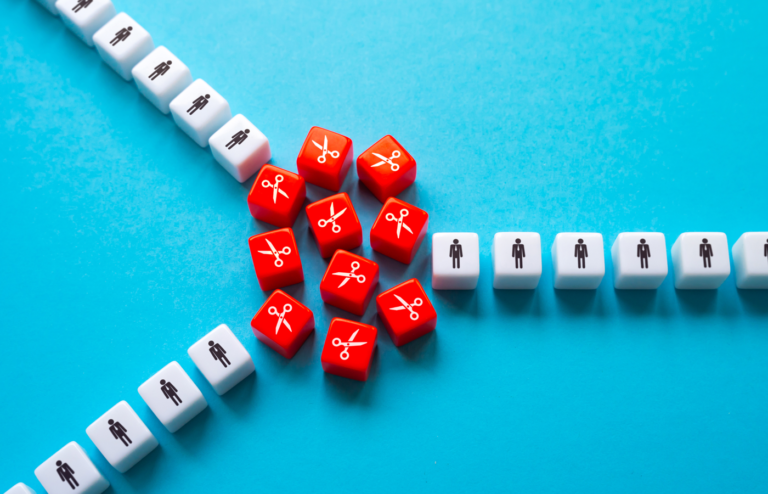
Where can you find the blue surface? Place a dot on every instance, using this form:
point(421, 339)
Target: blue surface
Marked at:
point(124, 242)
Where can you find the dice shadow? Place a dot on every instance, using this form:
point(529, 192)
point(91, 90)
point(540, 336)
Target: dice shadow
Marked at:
point(576, 302)
point(465, 301)
point(697, 302)
point(194, 432)
point(421, 350)
point(516, 302)
point(637, 302)
point(352, 391)
point(240, 399)
point(755, 302)
point(142, 474)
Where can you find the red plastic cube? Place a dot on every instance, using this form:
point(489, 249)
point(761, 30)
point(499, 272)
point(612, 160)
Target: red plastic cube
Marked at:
point(325, 158)
point(399, 230)
point(276, 259)
point(348, 349)
point(283, 323)
point(406, 312)
point(334, 222)
point(277, 196)
point(386, 168)
point(349, 282)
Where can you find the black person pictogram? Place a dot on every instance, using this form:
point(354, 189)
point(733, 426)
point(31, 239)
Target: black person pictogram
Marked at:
point(238, 138)
point(765, 249)
point(80, 5)
point(121, 35)
point(218, 353)
point(119, 432)
point(643, 252)
point(170, 392)
point(66, 474)
point(456, 253)
point(705, 251)
point(198, 104)
point(518, 252)
point(581, 253)
point(160, 70)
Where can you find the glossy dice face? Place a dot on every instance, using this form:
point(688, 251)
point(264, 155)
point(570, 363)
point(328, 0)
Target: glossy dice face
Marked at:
point(240, 148)
point(277, 196)
point(348, 349)
point(399, 230)
point(386, 168)
point(283, 324)
point(276, 259)
point(406, 312)
point(325, 158)
point(334, 222)
point(349, 282)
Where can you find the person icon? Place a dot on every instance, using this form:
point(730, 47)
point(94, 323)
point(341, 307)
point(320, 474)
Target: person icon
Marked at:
point(765, 249)
point(66, 474)
point(518, 252)
point(218, 353)
point(581, 254)
point(456, 253)
point(643, 252)
point(160, 70)
point(198, 104)
point(80, 5)
point(238, 138)
point(121, 35)
point(119, 432)
point(170, 392)
point(705, 252)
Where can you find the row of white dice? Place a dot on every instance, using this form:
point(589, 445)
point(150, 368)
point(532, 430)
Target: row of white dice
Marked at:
point(700, 260)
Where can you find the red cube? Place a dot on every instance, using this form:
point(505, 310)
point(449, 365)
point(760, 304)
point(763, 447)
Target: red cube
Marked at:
point(399, 230)
point(334, 222)
point(325, 158)
point(276, 259)
point(348, 349)
point(406, 312)
point(386, 168)
point(277, 196)
point(349, 282)
point(283, 323)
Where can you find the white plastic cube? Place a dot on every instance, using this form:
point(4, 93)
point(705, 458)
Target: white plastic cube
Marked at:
point(121, 437)
point(173, 397)
point(50, 6)
point(240, 148)
point(200, 111)
point(750, 259)
point(455, 261)
point(160, 77)
point(222, 359)
point(20, 489)
point(700, 260)
point(516, 260)
point(122, 43)
point(578, 261)
point(70, 470)
point(639, 261)
point(85, 17)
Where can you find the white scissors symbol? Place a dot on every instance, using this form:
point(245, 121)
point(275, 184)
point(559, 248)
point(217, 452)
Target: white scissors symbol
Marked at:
point(324, 149)
point(347, 276)
point(335, 228)
point(346, 344)
point(416, 303)
point(272, 252)
point(388, 161)
point(281, 317)
point(400, 224)
point(276, 187)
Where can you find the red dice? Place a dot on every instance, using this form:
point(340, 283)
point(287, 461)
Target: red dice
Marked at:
point(277, 196)
point(386, 168)
point(349, 282)
point(276, 259)
point(348, 349)
point(399, 230)
point(325, 158)
point(406, 312)
point(283, 324)
point(334, 222)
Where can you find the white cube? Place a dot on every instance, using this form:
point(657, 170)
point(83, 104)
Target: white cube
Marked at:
point(85, 17)
point(222, 359)
point(160, 77)
point(639, 261)
point(173, 397)
point(121, 437)
point(455, 261)
point(240, 148)
point(750, 259)
point(516, 260)
point(200, 111)
point(122, 43)
point(50, 6)
point(20, 489)
point(70, 470)
point(700, 260)
point(578, 261)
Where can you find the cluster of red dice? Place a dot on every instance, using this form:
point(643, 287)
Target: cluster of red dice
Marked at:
point(277, 197)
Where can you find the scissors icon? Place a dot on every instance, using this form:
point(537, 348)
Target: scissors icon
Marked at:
point(276, 187)
point(273, 252)
point(388, 161)
point(416, 303)
point(346, 344)
point(324, 149)
point(400, 224)
point(347, 276)
point(281, 317)
point(334, 216)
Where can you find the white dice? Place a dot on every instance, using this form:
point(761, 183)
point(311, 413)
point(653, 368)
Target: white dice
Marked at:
point(122, 43)
point(70, 470)
point(240, 148)
point(50, 6)
point(750, 259)
point(700, 260)
point(578, 261)
point(121, 437)
point(455, 261)
point(639, 261)
point(200, 111)
point(160, 77)
point(173, 397)
point(85, 17)
point(516, 260)
point(222, 359)
point(20, 489)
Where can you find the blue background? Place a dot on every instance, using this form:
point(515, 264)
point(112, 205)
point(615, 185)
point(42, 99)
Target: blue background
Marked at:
point(124, 242)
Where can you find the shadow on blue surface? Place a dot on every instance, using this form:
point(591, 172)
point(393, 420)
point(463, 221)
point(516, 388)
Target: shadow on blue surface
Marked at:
point(240, 398)
point(637, 302)
point(142, 475)
point(697, 302)
point(515, 302)
point(350, 390)
point(578, 302)
point(754, 301)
